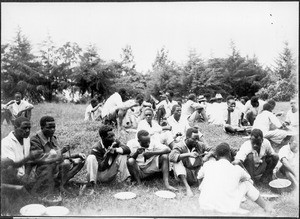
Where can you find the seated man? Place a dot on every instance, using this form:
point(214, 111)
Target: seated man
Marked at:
point(148, 157)
point(15, 154)
point(224, 185)
point(93, 111)
point(165, 106)
point(53, 166)
point(20, 107)
point(215, 110)
point(5, 112)
point(292, 116)
point(257, 157)
point(267, 120)
point(192, 111)
point(186, 156)
point(107, 161)
point(232, 118)
point(253, 107)
point(289, 162)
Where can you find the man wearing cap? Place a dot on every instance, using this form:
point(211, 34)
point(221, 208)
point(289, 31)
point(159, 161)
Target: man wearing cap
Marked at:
point(224, 185)
point(186, 157)
point(257, 157)
point(253, 107)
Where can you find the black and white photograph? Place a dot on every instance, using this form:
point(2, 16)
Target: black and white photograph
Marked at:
point(150, 109)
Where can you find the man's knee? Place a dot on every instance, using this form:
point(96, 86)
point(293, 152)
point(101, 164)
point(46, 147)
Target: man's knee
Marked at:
point(91, 158)
point(131, 162)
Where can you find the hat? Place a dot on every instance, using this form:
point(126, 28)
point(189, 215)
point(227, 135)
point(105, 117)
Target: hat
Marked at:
point(202, 98)
point(218, 96)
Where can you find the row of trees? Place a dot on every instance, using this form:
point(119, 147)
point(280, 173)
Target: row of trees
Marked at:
point(54, 69)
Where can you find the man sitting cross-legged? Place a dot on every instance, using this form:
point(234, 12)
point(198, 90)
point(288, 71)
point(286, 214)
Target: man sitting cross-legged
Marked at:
point(187, 158)
point(54, 166)
point(224, 185)
point(107, 161)
point(148, 157)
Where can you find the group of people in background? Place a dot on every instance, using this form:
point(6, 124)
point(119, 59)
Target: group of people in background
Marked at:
point(168, 138)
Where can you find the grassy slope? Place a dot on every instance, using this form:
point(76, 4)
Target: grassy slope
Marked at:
point(73, 130)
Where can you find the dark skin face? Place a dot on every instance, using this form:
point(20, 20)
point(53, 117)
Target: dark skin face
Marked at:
point(177, 112)
point(144, 141)
point(148, 116)
point(109, 139)
point(18, 98)
point(231, 105)
point(256, 141)
point(49, 129)
point(94, 104)
point(23, 131)
point(192, 141)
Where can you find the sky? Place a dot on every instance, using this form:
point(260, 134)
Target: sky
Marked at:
point(256, 28)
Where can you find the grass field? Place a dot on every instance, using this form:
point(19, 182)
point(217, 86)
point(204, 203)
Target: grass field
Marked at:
point(71, 129)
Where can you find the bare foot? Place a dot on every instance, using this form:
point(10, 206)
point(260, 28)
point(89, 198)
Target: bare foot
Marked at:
point(171, 188)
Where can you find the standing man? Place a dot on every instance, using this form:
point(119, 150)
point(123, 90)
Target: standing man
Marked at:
point(148, 157)
point(107, 160)
point(20, 107)
point(257, 157)
point(54, 162)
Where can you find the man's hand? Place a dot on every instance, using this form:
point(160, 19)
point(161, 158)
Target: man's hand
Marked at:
point(35, 154)
point(65, 149)
point(147, 155)
point(140, 150)
point(194, 154)
point(82, 156)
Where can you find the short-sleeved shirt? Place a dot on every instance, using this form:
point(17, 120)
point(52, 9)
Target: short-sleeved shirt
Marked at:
point(155, 130)
point(189, 107)
point(285, 152)
point(220, 186)
point(178, 126)
point(154, 146)
point(246, 148)
point(12, 149)
point(112, 104)
point(256, 110)
point(264, 120)
point(16, 108)
point(89, 115)
point(190, 163)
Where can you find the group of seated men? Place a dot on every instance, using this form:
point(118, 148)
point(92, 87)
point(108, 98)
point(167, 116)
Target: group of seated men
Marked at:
point(173, 144)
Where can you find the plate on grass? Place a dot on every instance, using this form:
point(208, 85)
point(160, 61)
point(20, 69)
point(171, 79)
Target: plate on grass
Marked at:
point(33, 210)
point(165, 194)
point(57, 211)
point(280, 183)
point(125, 195)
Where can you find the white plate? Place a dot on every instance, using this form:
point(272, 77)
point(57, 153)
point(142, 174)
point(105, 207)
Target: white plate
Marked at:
point(125, 195)
point(280, 183)
point(165, 194)
point(57, 211)
point(33, 210)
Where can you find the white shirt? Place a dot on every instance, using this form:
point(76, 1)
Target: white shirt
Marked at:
point(292, 118)
point(112, 104)
point(154, 131)
point(89, 115)
point(235, 117)
point(285, 152)
point(220, 186)
point(214, 113)
point(12, 149)
point(256, 110)
point(178, 126)
point(168, 106)
point(246, 148)
point(264, 120)
point(16, 108)
point(189, 107)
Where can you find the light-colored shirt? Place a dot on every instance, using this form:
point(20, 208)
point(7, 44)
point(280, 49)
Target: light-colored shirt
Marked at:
point(292, 118)
point(16, 108)
point(264, 120)
point(246, 148)
point(256, 110)
point(235, 117)
point(189, 107)
point(168, 106)
point(220, 186)
point(214, 113)
point(89, 115)
point(155, 130)
point(112, 104)
point(12, 149)
point(154, 146)
point(178, 126)
point(285, 152)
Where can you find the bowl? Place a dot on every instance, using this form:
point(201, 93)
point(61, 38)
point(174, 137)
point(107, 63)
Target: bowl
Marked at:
point(280, 185)
point(52, 200)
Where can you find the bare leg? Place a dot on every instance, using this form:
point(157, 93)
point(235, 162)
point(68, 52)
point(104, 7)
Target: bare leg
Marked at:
point(263, 204)
point(164, 161)
point(187, 186)
point(134, 170)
